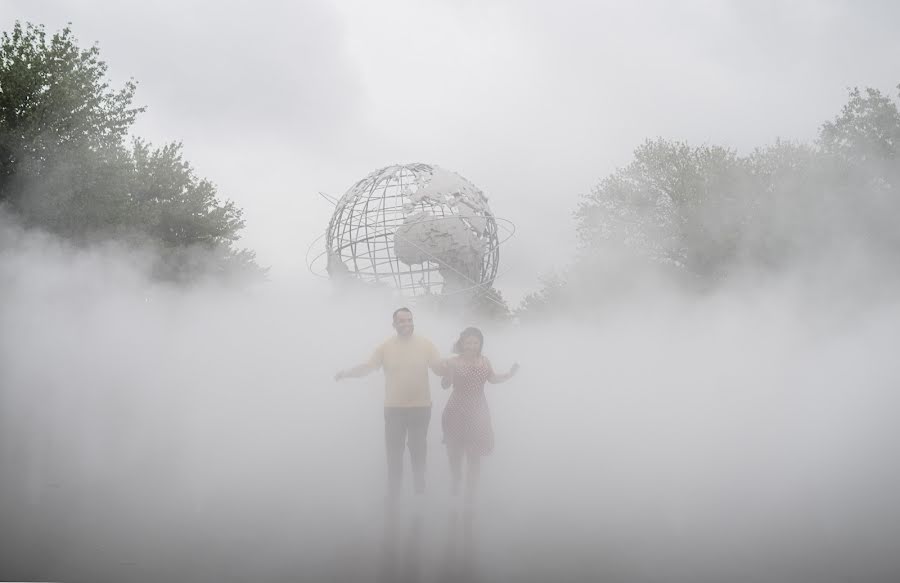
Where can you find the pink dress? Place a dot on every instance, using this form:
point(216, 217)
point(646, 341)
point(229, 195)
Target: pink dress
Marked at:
point(467, 420)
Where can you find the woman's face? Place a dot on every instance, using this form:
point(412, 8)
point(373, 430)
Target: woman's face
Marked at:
point(471, 345)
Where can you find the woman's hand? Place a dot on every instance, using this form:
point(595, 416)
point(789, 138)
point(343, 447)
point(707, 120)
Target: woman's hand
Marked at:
point(502, 378)
point(447, 377)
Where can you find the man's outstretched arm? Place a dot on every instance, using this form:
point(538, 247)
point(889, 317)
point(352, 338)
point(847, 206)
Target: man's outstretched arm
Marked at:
point(357, 371)
point(361, 370)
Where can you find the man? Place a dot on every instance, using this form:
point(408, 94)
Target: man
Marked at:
point(405, 359)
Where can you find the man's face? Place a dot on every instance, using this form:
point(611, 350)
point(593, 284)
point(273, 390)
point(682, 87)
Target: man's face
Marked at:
point(403, 323)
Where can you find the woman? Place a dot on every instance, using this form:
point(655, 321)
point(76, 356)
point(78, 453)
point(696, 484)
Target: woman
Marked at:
point(467, 420)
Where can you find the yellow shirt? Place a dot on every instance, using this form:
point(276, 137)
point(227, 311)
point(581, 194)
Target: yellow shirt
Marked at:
point(405, 361)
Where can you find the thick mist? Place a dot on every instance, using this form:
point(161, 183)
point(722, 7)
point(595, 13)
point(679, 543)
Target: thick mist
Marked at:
point(156, 432)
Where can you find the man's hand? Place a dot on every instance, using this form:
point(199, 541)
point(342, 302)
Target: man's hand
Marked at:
point(355, 372)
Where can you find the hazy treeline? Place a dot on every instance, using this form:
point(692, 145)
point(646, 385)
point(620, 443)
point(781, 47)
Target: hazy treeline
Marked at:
point(706, 216)
point(697, 215)
point(69, 165)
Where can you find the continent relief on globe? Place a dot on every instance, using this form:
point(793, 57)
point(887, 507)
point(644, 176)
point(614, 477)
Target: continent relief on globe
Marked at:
point(446, 241)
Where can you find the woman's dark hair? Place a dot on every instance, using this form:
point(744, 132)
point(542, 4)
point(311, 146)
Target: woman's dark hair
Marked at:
point(470, 331)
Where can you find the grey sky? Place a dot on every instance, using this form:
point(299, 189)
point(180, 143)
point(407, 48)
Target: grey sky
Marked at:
point(532, 101)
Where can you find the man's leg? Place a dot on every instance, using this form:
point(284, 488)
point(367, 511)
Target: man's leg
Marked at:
point(419, 417)
point(394, 442)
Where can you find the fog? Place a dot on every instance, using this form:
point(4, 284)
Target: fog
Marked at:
point(152, 431)
point(742, 432)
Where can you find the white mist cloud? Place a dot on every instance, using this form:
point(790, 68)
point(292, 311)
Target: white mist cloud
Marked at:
point(151, 431)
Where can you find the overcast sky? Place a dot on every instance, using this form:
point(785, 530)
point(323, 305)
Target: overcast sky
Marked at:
point(532, 101)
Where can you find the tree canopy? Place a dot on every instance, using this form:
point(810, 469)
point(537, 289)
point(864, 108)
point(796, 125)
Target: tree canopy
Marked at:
point(69, 165)
point(706, 214)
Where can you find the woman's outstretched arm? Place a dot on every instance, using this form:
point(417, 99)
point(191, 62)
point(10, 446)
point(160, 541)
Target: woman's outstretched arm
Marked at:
point(502, 378)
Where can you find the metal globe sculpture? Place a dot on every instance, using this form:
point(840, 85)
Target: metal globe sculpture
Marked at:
point(420, 228)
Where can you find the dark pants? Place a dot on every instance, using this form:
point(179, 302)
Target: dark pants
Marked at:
point(406, 426)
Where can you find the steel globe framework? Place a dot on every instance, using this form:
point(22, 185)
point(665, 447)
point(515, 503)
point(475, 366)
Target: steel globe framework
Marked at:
point(420, 228)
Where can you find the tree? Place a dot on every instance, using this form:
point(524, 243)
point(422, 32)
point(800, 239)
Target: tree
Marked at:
point(67, 166)
point(783, 199)
point(673, 204)
point(867, 129)
point(540, 304)
point(861, 151)
point(705, 214)
point(489, 304)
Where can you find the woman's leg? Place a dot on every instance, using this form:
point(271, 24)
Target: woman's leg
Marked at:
point(473, 470)
point(455, 455)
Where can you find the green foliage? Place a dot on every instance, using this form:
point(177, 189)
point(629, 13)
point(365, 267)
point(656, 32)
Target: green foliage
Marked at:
point(711, 212)
point(867, 129)
point(540, 304)
point(674, 202)
point(861, 154)
point(486, 305)
point(490, 305)
point(67, 166)
point(701, 215)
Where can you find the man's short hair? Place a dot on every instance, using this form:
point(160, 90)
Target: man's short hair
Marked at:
point(398, 310)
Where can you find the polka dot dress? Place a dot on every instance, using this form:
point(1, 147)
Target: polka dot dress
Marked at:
point(467, 420)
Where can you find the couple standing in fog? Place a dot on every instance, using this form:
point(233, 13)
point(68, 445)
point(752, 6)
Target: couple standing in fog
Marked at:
point(466, 422)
